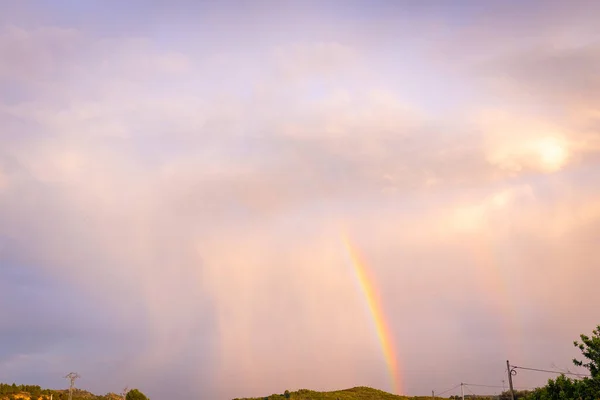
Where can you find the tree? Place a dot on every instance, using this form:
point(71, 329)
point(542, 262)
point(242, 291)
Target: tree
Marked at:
point(588, 388)
point(590, 349)
point(135, 394)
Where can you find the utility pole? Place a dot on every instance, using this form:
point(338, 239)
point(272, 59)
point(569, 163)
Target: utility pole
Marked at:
point(510, 384)
point(72, 376)
point(433, 394)
point(462, 391)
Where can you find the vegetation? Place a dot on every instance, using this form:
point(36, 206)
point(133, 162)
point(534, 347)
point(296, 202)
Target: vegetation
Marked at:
point(587, 388)
point(357, 393)
point(6, 390)
point(135, 394)
point(34, 392)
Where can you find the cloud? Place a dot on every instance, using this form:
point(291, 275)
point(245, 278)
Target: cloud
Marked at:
point(3, 180)
point(88, 208)
point(563, 74)
point(39, 54)
point(310, 60)
point(516, 144)
point(195, 201)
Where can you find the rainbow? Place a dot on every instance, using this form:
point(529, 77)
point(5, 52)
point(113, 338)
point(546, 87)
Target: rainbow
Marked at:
point(374, 302)
point(489, 274)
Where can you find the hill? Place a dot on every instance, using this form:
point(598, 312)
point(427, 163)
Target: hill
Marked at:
point(357, 393)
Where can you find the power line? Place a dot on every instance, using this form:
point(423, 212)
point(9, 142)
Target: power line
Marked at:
point(549, 371)
point(492, 386)
point(476, 384)
point(446, 391)
point(511, 369)
point(470, 390)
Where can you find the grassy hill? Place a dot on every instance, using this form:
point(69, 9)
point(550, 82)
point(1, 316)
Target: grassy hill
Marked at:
point(357, 393)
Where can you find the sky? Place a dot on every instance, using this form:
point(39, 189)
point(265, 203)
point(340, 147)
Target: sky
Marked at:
point(179, 182)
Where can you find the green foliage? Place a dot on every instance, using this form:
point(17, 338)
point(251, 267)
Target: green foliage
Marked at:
point(357, 393)
point(135, 394)
point(563, 388)
point(34, 392)
point(590, 349)
point(5, 388)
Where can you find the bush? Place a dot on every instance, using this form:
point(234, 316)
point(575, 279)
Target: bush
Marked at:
point(135, 394)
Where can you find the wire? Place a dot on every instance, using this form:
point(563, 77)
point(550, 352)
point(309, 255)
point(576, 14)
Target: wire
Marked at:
point(494, 386)
point(475, 384)
point(517, 388)
point(446, 391)
point(549, 371)
point(470, 390)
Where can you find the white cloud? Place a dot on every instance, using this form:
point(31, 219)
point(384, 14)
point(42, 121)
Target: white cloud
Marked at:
point(219, 210)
